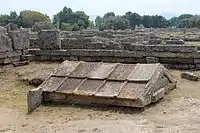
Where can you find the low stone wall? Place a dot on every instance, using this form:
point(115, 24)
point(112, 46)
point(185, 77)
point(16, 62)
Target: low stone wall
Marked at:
point(108, 50)
point(181, 60)
point(13, 46)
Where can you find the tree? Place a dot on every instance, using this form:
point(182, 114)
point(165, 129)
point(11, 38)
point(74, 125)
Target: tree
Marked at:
point(160, 22)
point(156, 21)
point(28, 18)
point(98, 21)
point(183, 23)
point(173, 22)
point(110, 21)
point(185, 16)
point(133, 18)
point(198, 22)
point(4, 20)
point(109, 14)
point(81, 24)
point(78, 20)
point(14, 18)
point(91, 25)
point(121, 23)
point(102, 27)
point(147, 21)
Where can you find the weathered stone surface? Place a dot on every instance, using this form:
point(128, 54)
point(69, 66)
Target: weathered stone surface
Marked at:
point(9, 60)
point(73, 58)
point(196, 61)
point(37, 75)
point(189, 76)
point(77, 43)
point(20, 39)
point(3, 54)
point(151, 60)
point(143, 72)
point(34, 99)
point(108, 83)
point(49, 39)
point(155, 41)
point(121, 46)
point(5, 42)
point(3, 30)
point(28, 57)
point(34, 43)
point(175, 42)
point(20, 63)
point(176, 61)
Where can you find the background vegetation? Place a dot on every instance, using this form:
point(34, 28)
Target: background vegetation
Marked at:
point(67, 19)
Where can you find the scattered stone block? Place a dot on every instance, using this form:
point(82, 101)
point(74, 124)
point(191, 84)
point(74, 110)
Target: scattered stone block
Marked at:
point(34, 99)
point(189, 76)
point(20, 63)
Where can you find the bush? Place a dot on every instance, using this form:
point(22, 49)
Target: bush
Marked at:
point(70, 27)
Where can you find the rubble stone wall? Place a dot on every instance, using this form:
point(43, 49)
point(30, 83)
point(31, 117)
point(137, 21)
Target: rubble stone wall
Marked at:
point(13, 45)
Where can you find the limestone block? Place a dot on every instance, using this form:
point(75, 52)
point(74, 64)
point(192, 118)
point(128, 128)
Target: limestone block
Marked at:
point(2, 54)
point(196, 61)
point(55, 58)
point(73, 58)
point(176, 60)
point(189, 76)
point(20, 39)
point(152, 60)
point(20, 63)
point(34, 99)
point(27, 57)
point(175, 42)
point(5, 42)
point(49, 39)
point(34, 43)
point(155, 41)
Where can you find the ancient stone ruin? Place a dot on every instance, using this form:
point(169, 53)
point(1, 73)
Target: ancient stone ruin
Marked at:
point(14, 47)
point(132, 85)
point(94, 46)
point(113, 46)
point(111, 72)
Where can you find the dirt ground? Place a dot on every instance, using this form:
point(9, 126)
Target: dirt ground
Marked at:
point(177, 112)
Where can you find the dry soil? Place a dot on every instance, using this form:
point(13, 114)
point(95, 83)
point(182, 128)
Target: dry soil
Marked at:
point(177, 112)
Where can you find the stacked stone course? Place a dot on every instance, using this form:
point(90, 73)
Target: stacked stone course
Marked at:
point(13, 46)
point(116, 46)
point(138, 46)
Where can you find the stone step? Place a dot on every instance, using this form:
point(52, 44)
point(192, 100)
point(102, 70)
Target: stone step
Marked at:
point(20, 63)
point(28, 57)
